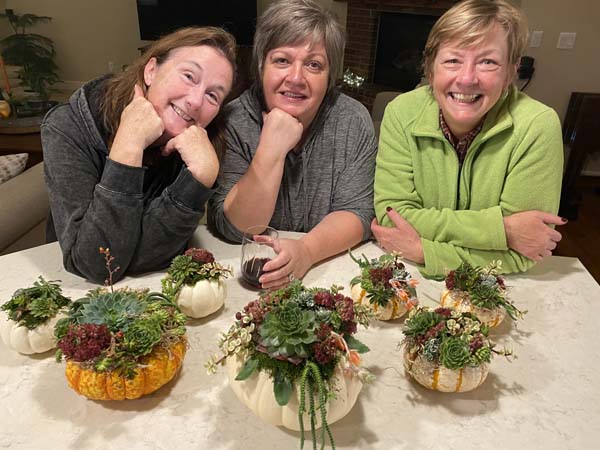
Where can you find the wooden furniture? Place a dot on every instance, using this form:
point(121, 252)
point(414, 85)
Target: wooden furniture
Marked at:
point(581, 132)
point(547, 399)
point(22, 143)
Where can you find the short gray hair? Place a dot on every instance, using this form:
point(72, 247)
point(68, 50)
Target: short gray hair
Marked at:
point(292, 22)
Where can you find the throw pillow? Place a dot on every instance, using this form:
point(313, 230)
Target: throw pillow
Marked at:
point(12, 165)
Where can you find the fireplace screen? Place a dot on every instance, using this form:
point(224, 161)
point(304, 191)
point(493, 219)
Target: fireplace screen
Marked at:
point(400, 42)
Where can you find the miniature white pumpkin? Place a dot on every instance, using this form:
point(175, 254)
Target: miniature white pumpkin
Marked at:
point(461, 301)
point(26, 341)
point(202, 299)
point(256, 393)
point(395, 306)
point(439, 378)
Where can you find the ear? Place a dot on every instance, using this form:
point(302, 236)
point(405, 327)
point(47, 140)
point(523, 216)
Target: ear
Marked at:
point(150, 71)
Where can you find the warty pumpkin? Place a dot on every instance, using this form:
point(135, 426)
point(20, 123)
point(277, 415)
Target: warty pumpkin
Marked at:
point(256, 393)
point(157, 368)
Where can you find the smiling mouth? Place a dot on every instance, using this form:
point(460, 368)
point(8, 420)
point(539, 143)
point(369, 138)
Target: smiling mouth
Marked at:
point(293, 95)
point(465, 98)
point(181, 113)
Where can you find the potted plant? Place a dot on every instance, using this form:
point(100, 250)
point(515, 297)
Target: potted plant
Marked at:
point(121, 344)
point(481, 292)
point(34, 54)
point(447, 350)
point(385, 285)
point(291, 345)
point(196, 282)
point(27, 320)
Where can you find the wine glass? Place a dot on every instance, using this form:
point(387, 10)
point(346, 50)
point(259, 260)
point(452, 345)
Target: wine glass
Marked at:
point(257, 250)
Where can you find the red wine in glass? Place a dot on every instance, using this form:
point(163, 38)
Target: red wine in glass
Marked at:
point(252, 270)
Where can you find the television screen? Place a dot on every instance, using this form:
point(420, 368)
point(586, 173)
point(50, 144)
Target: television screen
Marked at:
point(401, 39)
point(159, 17)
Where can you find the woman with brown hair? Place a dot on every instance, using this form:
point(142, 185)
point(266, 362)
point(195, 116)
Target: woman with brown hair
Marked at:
point(131, 159)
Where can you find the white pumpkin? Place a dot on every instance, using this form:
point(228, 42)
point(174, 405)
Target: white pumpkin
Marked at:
point(395, 306)
point(202, 299)
point(256, 392)
point(461, 301)
point(439, 378)
point(26, 341)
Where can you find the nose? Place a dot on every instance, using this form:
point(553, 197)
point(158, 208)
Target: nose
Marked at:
point(468, 74)
point(195, 98)
point(296, 74)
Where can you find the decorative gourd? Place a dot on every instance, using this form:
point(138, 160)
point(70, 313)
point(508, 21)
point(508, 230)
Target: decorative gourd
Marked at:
point(384, 285)
point(196, 283)
point(27, 320)
point(439, 378)
point(202, 299)
point(461, 301)
point(394, 308)
point(480, 291)
point(256, 393)
point(26, 341)
point(158, 368)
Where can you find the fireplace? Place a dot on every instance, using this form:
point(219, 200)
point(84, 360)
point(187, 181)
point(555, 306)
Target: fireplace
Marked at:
point(362, 50)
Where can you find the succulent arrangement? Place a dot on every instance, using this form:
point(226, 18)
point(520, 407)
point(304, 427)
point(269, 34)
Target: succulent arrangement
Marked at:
point(480, 291)
point(385, 284)
point(302, 340)
point(121, 343)
point(31, 314)
point(195, 282)
point(447, 350)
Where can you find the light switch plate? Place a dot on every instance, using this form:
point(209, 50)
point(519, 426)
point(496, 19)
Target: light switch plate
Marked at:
point(536, 38)
point(566, 40)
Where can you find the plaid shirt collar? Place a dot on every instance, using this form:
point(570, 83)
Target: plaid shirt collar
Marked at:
point(460, 145)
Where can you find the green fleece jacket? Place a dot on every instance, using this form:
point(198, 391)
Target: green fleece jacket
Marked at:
point(514, 164)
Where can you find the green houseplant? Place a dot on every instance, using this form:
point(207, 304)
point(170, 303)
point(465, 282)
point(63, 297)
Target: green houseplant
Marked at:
point(33, 52)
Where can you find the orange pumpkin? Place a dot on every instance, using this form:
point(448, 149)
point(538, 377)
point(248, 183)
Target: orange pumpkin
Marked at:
point(439, 378)
point(158, 368)
point(461, 301)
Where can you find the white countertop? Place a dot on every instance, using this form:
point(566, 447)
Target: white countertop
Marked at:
point(548, 398)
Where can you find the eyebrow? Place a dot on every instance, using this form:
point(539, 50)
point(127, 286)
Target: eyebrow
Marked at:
point(218, 87)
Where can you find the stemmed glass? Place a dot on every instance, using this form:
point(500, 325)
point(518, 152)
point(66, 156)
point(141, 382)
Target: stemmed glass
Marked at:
point(257, 249)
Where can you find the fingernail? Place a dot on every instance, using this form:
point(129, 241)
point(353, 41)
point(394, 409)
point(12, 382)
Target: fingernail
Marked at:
point(388, 209)
point(564, 220)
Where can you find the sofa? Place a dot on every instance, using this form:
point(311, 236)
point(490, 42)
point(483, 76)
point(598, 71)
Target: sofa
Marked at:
point(23, 211)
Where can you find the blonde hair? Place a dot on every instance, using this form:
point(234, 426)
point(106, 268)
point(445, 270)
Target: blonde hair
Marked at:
point(119, 89)
point(292, 22)
point(469, 21)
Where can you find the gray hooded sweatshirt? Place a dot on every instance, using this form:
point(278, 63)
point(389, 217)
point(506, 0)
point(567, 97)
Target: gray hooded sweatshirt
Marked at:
point(332, 171)
point(145, 215)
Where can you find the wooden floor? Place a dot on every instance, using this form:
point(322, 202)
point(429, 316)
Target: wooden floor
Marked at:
point(581, 237)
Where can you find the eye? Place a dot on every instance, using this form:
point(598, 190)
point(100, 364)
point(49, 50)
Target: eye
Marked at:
point(213, 98)
point(488, 62)
point(189, 76)
point(280, 61)
point(315, 66)
point(451, 61)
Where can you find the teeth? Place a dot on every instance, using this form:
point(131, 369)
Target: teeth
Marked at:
point(291, 94)
point(465, 98)
point(182, 114)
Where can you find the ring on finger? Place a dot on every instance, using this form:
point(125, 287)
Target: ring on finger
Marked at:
point(291, 277)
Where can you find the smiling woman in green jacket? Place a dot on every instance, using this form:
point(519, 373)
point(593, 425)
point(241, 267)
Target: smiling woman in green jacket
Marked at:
point(469, 168)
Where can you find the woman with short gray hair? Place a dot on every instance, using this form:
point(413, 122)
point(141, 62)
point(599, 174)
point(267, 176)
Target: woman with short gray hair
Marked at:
point(300, 155)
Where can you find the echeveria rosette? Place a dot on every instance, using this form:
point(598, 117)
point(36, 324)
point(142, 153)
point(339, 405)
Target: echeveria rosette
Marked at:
point(141, 337)
point(486, 289)
point(287, 331)
point(454, 353)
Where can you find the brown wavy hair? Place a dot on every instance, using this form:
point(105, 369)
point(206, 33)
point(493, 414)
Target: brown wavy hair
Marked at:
point(119, 89)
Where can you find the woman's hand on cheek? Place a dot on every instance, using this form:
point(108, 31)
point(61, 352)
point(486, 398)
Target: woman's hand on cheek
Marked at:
point(281, 132)
point(402, 237)
point(139, 127)
point(292, 262)
point(197, 152)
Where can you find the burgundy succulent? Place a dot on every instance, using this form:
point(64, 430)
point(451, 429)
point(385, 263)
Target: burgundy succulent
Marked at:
point(381, 276)
point(344, 306)
point(450, 280)
point(84, 342)
point(324, 299)
point(200, 255)
point(325, 350)
point(446, 312)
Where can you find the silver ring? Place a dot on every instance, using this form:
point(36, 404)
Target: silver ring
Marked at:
point(291, 277)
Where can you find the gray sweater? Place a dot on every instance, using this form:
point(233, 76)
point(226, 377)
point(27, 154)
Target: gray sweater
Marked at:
point(145, 215)
point(333, 170)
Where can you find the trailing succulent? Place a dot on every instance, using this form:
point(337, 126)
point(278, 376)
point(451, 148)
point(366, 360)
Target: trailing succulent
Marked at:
point(111, 331)
point(450, 338)
point(297, 335)
point(486, 289)
point(385, 277)
point(33, 306)
point(194, 265)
